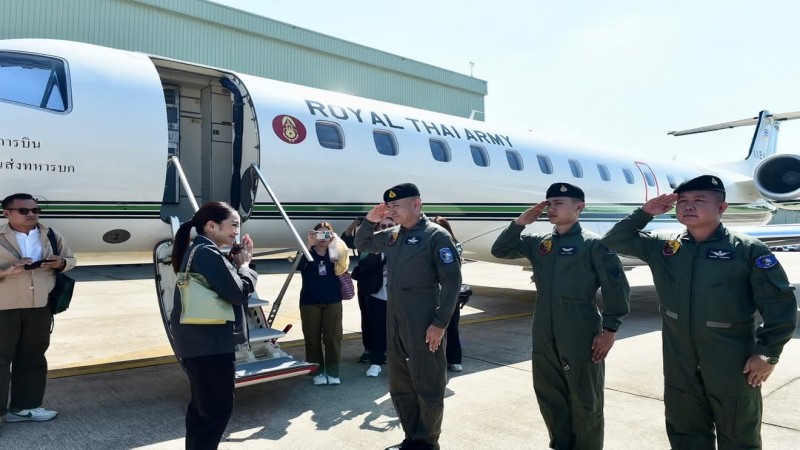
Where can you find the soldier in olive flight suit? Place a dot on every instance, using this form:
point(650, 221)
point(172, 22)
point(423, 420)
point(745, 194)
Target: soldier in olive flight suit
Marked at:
point(710, 282)
point(424, 279)
point(571, 337)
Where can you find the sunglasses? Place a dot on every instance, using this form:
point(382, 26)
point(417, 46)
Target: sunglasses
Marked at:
point(25, 211)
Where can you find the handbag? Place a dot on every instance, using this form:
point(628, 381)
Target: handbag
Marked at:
point(201, 305)
point(61, 294)
point(346, 288)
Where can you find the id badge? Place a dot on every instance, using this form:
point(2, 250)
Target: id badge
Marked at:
point(322, 269)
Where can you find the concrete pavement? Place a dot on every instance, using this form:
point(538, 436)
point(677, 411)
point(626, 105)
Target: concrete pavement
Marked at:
point(114, 323)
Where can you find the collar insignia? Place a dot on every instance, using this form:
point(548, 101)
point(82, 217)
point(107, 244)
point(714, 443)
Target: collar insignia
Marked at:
point(545, 247)
point(670, 248)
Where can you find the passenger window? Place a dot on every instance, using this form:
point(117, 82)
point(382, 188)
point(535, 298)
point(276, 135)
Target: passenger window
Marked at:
point(544, 164)
point(514, 160)
point(330, 135)
point(575, 167)
point(440, 150)
point(34, 80)
point(604, 173)
point(385, 143)
point(628, 175)
point(672, 182)
point(479, 155)
point(649, 178)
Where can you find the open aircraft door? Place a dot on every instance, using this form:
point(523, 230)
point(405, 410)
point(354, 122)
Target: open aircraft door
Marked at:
point(261, 359)
point(650, 182)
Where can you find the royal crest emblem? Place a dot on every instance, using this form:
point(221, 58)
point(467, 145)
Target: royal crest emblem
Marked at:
point(563, 188)
point(392, 194)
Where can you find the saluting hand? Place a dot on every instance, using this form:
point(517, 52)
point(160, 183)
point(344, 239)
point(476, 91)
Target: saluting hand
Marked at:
point(757, 371)
point(377, 213)
point(433, 337)
point(660, 205)
point(601, 345)
point(531, 214)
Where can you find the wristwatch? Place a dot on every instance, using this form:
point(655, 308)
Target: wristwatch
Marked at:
point(771, 360)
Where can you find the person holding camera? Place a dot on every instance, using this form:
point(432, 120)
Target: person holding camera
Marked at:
point(207, 352)
point(321, 301)
point(28, 265)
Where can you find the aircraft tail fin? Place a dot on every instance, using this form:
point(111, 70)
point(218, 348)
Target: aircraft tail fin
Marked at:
point(765, 137)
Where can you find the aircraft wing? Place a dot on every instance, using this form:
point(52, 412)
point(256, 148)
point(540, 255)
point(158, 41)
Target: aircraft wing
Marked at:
point(785, 234)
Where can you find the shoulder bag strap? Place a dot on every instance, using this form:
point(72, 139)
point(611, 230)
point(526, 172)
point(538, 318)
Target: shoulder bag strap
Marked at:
point(53, 244)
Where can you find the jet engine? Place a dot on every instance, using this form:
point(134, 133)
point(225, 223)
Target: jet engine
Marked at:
point(777, 178)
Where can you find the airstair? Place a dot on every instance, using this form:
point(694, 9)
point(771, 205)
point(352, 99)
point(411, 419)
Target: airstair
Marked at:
point(261, 359)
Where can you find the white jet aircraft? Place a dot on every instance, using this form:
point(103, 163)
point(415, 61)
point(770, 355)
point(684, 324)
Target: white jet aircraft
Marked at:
point(121, 146)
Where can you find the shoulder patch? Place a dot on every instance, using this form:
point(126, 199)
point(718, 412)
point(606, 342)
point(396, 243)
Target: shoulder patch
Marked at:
point(766, 261)
point(446, 255)
point(607, 250)
point(670, 248)
point(393, 237)
point(545, 247)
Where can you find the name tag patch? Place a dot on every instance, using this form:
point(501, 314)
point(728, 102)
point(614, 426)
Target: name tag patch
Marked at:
point(719, 254)
point(446, 255)
point(766, 261)
point(567, 251)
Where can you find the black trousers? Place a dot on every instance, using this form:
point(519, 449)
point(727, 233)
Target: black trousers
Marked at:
point(376, 312)
point(453, 350)
point(362, 307)
point(211, 379)
point(24, 338)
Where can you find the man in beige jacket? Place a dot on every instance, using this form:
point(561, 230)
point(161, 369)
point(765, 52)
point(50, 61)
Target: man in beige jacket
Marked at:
point(28, 265)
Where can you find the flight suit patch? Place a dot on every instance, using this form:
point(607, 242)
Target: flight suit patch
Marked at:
point(607, 250)
point(719, 254)
point(446, 255)
point(670, 248)
point(393, 238)
point(545, 247)
point(413, 240)
point(567, 251)
point(766, 261)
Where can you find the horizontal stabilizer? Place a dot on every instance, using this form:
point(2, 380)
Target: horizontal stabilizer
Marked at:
point(736, 123)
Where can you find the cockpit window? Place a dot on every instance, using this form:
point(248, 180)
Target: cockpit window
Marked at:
point(34, 80)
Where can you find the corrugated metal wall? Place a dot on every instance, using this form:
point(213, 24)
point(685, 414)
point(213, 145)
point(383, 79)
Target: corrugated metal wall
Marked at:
point(208, 33)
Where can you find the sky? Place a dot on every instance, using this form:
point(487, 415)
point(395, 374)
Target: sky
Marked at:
point(614, 74)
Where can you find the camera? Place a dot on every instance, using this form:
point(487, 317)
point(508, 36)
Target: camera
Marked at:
point(323, 235)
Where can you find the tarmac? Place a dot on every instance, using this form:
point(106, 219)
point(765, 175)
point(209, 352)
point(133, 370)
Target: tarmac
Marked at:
point(115, 383)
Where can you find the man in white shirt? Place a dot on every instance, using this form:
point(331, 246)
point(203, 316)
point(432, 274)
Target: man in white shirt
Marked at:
point(28, 265)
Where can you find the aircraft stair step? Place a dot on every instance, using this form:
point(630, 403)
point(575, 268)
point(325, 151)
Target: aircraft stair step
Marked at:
point(265, 334)
point(257, 302)
point(274, 369)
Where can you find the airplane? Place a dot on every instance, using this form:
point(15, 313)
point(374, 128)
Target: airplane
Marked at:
point(121, 146)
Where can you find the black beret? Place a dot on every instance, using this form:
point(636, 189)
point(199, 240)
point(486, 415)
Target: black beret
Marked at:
point(701, 183)
point(400, 191)
point(565, 190)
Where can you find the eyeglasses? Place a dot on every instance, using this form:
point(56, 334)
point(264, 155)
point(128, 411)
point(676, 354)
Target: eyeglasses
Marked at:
point(25, 211)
